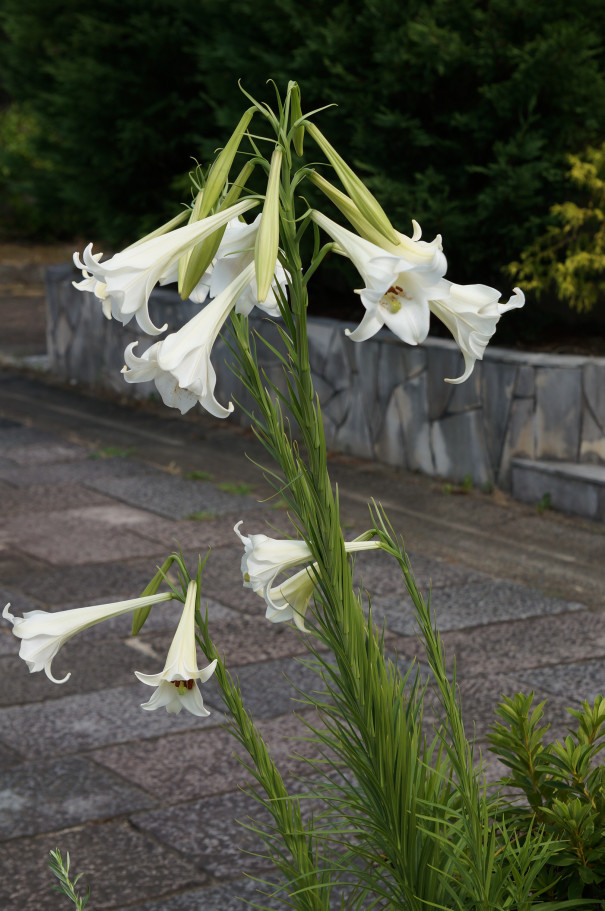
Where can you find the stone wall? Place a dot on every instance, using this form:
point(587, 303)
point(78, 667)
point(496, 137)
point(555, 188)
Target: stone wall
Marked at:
point(381, 399)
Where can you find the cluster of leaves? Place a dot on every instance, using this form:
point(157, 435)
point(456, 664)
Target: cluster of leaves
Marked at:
point(568, 259)
point(460, 115)
point(564, 787)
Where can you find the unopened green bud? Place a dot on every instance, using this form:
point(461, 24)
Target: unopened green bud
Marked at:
point(298, 134)
point(200, 258)
point(267, 239)
point(222, 165)
point(367, 204)
point(352, 213)
point(163, 229)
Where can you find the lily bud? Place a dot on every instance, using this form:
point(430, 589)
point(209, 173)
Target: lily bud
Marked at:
point(351, 212)
point(267, 239)
point(184, 260)
point(367, 204)
point(222, 165)
point(163, 229)
point(296, 113)
point(203, 254)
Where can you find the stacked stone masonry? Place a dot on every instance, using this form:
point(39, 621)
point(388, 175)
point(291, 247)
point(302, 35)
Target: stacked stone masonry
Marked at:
point(381, 399)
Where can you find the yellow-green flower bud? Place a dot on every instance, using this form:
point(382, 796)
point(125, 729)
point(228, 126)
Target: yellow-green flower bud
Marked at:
point(352, 213)
point(267, 239)
point(202, 255)
point(222, 165)
point(367, 204)
point(295, 114)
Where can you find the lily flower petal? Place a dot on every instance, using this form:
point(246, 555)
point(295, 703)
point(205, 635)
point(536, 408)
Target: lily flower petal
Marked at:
point(180, 364)
point(290, 600)
point(177, 684)
point(130, 276)
point(42, 633)
point(471, 313)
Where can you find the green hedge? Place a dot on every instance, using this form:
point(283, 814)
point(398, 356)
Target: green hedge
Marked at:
point(458, 114)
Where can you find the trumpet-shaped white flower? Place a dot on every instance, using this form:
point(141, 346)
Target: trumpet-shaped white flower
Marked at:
point(177, 685)
point(125, 281)
point(401, 289)
point(235, 253)
point(290, 600)
point(42, 633)
point(180, 364)
point(266, 558)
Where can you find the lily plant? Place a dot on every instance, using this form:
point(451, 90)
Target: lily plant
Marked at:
point(404, 819)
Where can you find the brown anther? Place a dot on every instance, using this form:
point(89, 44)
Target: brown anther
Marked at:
point(176, 683)
point(190, 684)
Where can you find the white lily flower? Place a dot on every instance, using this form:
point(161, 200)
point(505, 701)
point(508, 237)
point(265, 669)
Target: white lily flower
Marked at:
point(125, 281)
point(266, 558)
point(401, 289)
point(177, 685)
point(180, 364)
point(42, 633)
point(290, 600)
point(235, 253)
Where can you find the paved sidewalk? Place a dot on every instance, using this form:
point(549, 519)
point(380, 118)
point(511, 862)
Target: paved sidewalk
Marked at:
point(93, 496)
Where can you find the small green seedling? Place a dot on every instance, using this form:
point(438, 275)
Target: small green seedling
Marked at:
point(112, 452)
point(544, 503)
point(198, 476)
point(202, 516)
point(240, 490)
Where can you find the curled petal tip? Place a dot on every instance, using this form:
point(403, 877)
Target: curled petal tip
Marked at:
point(49, 674)
point(7, 614)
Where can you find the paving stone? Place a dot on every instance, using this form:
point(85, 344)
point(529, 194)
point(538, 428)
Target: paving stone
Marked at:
point(50, 498)
point(6, 424)
point(481, 694)
point(85, 471)
point(474, 604)
point(507, 647)
point(45, 453)
point(519, 440)
point(7, 464)
point(25, 436)
point(413, 406)
point(174, 498)
point(209, 831)
point(39, 797)
point(196, 764)
point(92, 583)
point(9, 757)
point(575, 681)
point(10, 597)
point(121, 866)
point(270, 688)
point(82, 535)
point(94, 663)
point(233, 896)
point(222, 580)
point(204, 533)
point(86, 722)
point(379, 573)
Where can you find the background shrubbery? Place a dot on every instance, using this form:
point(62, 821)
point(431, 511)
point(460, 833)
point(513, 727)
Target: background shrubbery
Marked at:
point(461, 115)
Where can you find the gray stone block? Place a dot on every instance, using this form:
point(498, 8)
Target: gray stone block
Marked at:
point(572, 487)
point(558, 412)
point(497, 397)
point(459, 447)
point(336, 369)
point(83, 471)
point(442, 363)
point(85, 584)
point(593, 384)
point(413, 406)
point(233, 896)
point(519, 439)
point(353, 434)
point(525, 386)
point(391, 371)
point(389, 446)
point(592, 446)
point(39, 797)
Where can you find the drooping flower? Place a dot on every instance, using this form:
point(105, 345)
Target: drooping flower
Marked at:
point(290, 600)
point(177, 685)
point(42, 633)
point(180, 364)
point(125, 281)
point(402, 288)
point(267, 558)
point(235, 253)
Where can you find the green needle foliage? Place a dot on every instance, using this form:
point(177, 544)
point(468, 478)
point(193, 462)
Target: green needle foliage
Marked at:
point(59, 867)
